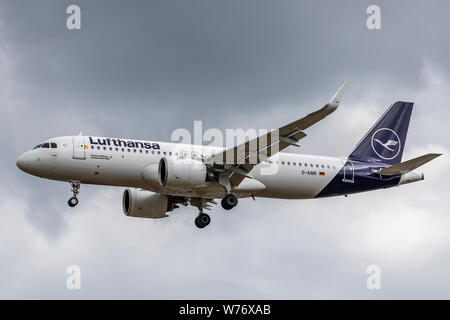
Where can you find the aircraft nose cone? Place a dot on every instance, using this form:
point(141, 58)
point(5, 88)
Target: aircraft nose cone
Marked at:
point(23, 161)
point(20, 162)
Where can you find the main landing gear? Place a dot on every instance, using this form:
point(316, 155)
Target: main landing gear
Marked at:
point(202, 220)
point(229, 201)
point(75, 190)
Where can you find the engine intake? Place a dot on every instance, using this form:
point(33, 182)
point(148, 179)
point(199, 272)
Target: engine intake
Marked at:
point(175, 172)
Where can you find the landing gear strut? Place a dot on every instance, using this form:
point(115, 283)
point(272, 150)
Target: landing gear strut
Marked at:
point(75, 190)
point(229, 201)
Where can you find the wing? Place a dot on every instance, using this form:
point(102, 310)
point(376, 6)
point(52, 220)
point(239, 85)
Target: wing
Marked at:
point(241, 159)
point(407, 166)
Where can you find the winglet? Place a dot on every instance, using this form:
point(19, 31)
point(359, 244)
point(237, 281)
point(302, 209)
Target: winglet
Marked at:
point(336, 100)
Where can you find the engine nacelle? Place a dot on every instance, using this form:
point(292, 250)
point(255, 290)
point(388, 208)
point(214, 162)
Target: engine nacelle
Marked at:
point(185, 172)
point(144, 204)
point(149, 174)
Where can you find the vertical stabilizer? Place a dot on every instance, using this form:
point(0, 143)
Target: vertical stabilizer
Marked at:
point(386, 139)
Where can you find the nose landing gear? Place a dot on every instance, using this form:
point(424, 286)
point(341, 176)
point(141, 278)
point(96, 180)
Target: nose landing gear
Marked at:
point(72, 202)
point(75, 190)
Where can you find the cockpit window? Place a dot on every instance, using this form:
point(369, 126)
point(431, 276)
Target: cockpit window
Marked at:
point(46, 145)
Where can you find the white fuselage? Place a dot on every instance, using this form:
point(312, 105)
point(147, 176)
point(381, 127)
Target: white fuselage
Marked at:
point(115, 163)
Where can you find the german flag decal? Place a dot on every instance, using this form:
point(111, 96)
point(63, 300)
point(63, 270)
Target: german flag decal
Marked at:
point(321, 173)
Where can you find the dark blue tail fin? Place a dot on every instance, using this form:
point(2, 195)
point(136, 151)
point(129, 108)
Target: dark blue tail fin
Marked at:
point(386, 139)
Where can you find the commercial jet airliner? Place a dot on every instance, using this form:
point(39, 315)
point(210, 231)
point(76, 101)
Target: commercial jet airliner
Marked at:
point(160, 176)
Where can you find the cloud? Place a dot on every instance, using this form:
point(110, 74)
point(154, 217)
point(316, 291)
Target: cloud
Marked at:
point(263, 249)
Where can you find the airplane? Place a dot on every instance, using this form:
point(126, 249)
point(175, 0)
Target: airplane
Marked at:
point(161, 176)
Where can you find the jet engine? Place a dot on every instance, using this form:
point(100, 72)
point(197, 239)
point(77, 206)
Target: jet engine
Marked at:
point(185, 172)
point(149, 174)
point(144, 204)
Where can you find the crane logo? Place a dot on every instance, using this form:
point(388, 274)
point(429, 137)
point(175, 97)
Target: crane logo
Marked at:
point(386, 143)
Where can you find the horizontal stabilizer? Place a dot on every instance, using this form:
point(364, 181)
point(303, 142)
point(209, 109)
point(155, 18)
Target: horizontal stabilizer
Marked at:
point(407, 166)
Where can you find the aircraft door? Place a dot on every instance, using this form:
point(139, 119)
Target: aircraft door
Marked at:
point(78, 148)
point(349, 172)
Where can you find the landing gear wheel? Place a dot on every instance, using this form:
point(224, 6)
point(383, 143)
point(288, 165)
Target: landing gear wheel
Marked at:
point(202, 220)
point(197, 223)
point(73, 202)
point(229, 201)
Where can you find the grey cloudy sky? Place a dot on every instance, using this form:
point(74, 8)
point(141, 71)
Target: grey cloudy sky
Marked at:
point(144, 68)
